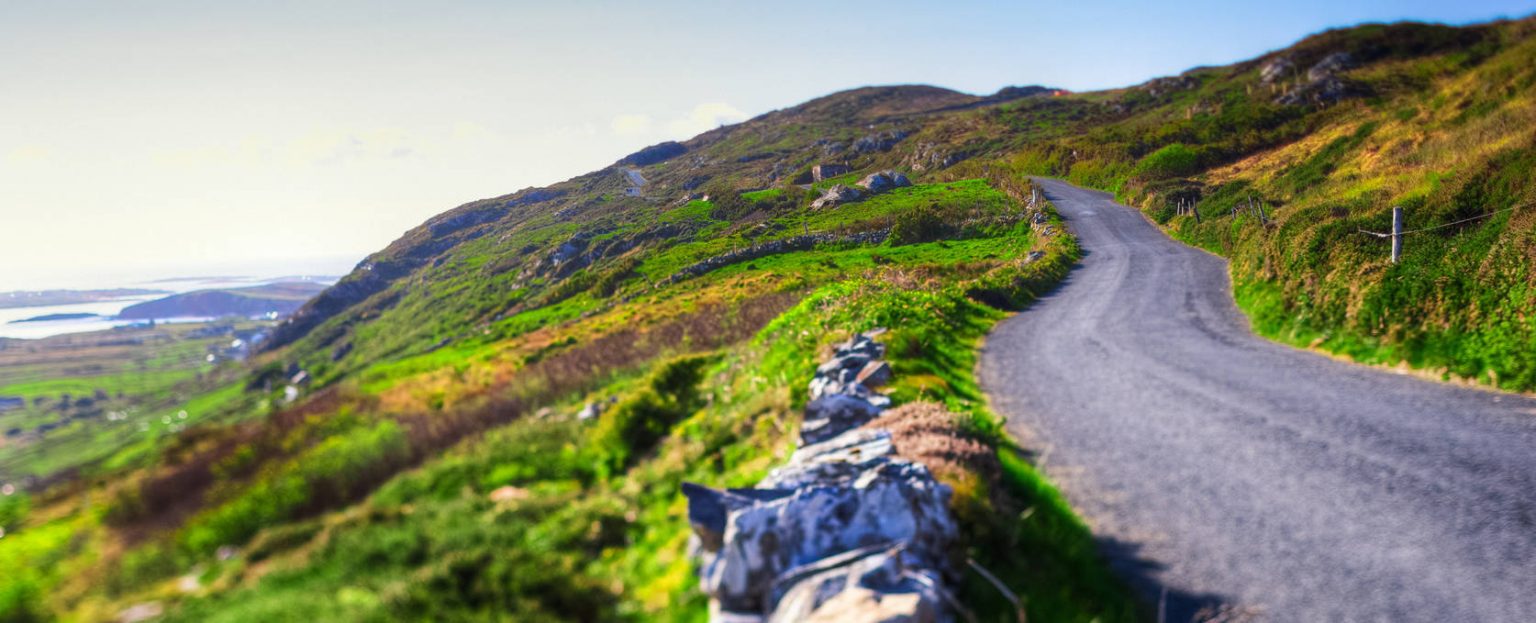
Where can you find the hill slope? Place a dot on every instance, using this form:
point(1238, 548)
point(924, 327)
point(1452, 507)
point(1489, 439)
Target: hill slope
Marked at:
point(273, 298)
point(406, 445)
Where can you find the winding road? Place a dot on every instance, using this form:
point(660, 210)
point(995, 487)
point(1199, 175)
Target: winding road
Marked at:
point(1226, 473)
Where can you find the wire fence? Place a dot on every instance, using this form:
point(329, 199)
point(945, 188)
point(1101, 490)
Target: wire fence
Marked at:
point(1443, 225)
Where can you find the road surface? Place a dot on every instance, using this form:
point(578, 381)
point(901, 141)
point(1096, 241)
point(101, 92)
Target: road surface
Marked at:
point(1237, 475)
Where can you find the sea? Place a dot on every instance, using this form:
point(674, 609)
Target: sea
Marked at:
point(171, 282)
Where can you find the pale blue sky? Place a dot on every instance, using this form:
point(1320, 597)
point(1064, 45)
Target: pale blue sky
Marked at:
point(141, 137)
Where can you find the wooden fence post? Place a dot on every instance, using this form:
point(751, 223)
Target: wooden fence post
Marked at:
point(1397, 234)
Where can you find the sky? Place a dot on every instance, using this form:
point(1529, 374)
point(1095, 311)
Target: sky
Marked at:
point(149, 139)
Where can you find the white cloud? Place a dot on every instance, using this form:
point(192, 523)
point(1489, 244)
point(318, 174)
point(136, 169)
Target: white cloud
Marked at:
point(631, 124)
point(706, 116)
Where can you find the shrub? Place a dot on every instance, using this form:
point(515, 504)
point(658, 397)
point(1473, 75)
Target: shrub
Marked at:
point(635, 425)
point(1176, 160)
point(923, 224)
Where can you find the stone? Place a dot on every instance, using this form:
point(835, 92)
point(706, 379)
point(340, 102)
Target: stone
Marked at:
point(707, 512)
point(892, 501)
point(870, 584)
point(825, 171)
point(836, 195)
point(882, 141)
point(846, 530)
point(882, 181)
point(1330, 66)
point(1323, 85)
point(833, 414)
point(1276, 70)
point(837, 460)
point(847, 361)
point(874, 374)
point(591, 411)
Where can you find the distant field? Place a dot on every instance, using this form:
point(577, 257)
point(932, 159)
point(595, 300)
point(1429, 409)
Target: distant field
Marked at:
point(73, 400)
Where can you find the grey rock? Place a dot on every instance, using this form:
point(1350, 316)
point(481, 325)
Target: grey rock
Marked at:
point(882, 141)
point(891, 502)
point(862, 344)
point(874, 374)
point(833, 414)
point(824, 171)
point(872, 584)
point(882, 181)
point(836, 195)
point(1275, 70)
point(837, 460)
point(1323, 85)
point(848, 361)
point(1330, 66)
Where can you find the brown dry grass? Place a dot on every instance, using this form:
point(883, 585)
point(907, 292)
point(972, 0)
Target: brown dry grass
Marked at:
point(927, 433)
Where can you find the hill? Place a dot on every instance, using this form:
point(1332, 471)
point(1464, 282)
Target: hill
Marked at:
point(407, 445)
point(278, 299)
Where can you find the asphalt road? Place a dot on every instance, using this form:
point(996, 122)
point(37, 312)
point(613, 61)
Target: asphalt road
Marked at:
point(1237, 475)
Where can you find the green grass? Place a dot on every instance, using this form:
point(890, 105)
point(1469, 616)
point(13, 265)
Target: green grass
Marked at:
point(598, 530)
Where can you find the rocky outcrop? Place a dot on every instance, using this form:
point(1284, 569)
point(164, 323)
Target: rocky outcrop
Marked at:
point(845, 531)
point(1275, 70)
point(825, 171)
point(882, 181)
point(878, 142)
point(836, 195)
point(872, 184)
point(933, 156)
point(1157, 87)
point(1323, 84)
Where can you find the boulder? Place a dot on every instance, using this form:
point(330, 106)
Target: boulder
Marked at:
point(1330, 66)
point(892, 501)
point(836, 195)
point(851, 360)
point(1323, 85)
point(835, 461)
point(882, 181)
point(833, 414)
point(863, 343)
point(874, 374)
point(871, 584)
point(824, 171)
point(1275, 70)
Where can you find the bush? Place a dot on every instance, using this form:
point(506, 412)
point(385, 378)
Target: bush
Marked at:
point(923, 224)
point(13, 509)
point(1174, 160)
point(634, 426)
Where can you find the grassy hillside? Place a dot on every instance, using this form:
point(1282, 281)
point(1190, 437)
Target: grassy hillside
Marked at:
point(427, 463)
point(1433, 119)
